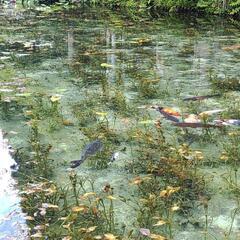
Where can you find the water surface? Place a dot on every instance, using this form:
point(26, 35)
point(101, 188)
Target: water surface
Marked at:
point(76, 54)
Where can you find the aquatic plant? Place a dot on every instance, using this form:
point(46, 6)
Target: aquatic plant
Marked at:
point(231, 156)
point(158, 203)
point(118, 102)
point(224, 84)
point(45, 109)
point(232, 107)
point(85, 110)
point(52, 212)
point(147, 88)
point(39, 159)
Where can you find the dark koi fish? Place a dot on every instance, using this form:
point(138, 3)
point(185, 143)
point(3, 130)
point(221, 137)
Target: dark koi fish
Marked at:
point(195, 98)
point(90, 149)
point(195, 125)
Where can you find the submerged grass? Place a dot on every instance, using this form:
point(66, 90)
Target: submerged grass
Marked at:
point(166, 164)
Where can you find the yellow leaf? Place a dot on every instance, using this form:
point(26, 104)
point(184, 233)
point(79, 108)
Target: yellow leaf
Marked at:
point(29, 218)
point(109, 236)
point(67, 238)
point(174, 208)
point(91, 229)
point(102, 114)
point(48, 205)
point(82, 229)
point(163, 193)
point(106, 65)
point(67, 226)
point(147, 122)
point(78, 209)
point(136, 181)
point(55, 98)
point(111, 197)
point(160, 223)
point(89, 194)
point(28, 113)
point(157, 237)
point(67, 122)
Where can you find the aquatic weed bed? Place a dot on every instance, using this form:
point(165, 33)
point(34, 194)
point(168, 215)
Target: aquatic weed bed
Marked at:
point(174, 174)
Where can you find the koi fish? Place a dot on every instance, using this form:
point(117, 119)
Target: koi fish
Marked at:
point(211, 112)
point(230, 48)
point(90, 149)
point(195, 98)
point(195, 125)
point(228, 122)
point(168, 113)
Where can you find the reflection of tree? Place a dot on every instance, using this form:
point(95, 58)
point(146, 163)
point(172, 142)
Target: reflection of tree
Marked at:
point(201, 56)
point(70, 41)
point(111, 57)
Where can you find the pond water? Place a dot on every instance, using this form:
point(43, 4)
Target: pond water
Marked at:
point(12, 223)
point(89, 54)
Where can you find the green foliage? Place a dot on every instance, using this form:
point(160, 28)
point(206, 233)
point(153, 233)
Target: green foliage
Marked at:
point(234, 7)
point(212, 6)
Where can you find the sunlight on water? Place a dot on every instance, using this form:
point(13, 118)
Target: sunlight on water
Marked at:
point(12, 223)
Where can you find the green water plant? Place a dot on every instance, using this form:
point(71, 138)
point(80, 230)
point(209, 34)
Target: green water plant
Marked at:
point(54, 213)
point(39, 158)
point(231, 156)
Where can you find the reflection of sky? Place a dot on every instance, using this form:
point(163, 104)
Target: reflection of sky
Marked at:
point(11, 217)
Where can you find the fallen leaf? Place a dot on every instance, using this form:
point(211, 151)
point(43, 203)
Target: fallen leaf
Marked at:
point(145, 232)
point(159, 223)
point(106, 65)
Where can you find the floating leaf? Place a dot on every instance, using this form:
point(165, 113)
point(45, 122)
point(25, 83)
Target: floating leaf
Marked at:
point(145, 231)
point(28, 113)
point(169, 191)
point(67, 122)
point(79, 209)
point(23, 94)
point(136, 181)
point(29, 218)
point(55, 98)
point(111, 197)
point(39, 227)
point(67, 238)
point(157, 237)
point(91, 229)
point(174, 208)
point(48, 205)
point(102, 114)
point(160, 223)
point(109, 236)
point(89, 194)
point(106, 65)
point(147, 122)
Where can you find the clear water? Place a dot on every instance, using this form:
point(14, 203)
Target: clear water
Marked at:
point(12, 223)
point(62, 54)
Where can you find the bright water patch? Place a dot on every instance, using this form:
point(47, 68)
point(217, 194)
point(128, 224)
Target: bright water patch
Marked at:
point(12, 222)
